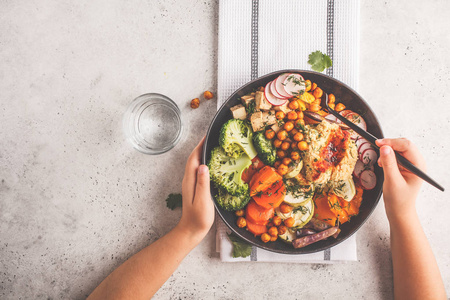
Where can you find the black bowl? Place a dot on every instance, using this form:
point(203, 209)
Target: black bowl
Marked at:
point(343, 94)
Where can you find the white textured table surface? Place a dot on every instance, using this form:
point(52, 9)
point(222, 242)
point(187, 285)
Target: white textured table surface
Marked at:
point(76, 200)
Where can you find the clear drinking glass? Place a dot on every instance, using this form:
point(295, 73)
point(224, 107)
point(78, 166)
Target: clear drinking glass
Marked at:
point(152, 123)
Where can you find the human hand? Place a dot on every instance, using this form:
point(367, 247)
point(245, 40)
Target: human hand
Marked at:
point(198, 207)
point(400, 186)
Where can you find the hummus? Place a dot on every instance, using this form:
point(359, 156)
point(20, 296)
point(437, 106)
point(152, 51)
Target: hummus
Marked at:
point(331, 156)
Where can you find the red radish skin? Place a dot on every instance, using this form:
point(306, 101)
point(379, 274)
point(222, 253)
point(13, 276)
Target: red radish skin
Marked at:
point(363, 147)
point(360, 140)
point(368, 179)
point(274, 91)
point(279, 85)
point(369, 156)
point(271, 98)
point(290, 84)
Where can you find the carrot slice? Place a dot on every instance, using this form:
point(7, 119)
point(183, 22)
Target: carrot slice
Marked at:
point(255, 228)
point(322, 210)
point(353, 206)
point(257, 214)
point(272, 197)
point(250, 171)
point(263, 179)
point(336, 208)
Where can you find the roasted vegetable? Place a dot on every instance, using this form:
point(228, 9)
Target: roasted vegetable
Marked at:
point(230, 202)
point(236, 139)
point(226, 172)
point(266, 151)
point(263, 179)
point(310, 239)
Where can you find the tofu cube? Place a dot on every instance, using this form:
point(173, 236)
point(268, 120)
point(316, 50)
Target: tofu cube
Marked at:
point(284, 108)
point(239, 112)
point(269, 117)
point(261, 102)
point(257, 121)
point(276, 127)
point(247, 99)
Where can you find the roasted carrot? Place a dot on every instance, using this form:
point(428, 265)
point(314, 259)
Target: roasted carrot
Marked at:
point(257, 214)
point(256, 229)
point(322, 210)
point(263, 179)
point(352, 207)
point(250, 171)
point(336, 208)
point(272, 197)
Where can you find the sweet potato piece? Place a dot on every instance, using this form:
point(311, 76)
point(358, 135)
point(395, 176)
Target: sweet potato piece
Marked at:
point(322, 210)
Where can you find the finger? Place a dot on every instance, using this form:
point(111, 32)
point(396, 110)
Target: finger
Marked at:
point(202, 189)
point(389, 163)
point(406, 148)
point(190, 172)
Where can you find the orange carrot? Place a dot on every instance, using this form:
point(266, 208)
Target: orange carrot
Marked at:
point(256, 229)
point(336, 208)
point(272, 197)
point(322, 210)
point(352, 207)
point(250, 171)
point(263, 179)
point(258, 214)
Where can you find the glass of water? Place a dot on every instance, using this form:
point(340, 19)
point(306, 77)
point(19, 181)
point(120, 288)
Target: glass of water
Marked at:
point(152, 123)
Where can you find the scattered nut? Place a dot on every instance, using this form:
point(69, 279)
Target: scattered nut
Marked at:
point(208, 95)
point(195, 103)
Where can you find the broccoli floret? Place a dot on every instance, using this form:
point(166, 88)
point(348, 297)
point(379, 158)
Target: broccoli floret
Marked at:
point(266, 151)
point(226, 171)
point(229, 202)
point(236, 138)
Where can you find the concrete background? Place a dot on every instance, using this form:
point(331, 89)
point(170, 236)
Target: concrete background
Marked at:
point(76, 200)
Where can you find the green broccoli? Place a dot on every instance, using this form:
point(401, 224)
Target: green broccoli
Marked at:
point(229, 202)
point(226, 171)
point(236, 138)
point(266, 151)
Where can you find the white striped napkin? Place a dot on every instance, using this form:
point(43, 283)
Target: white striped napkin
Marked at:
point(259, 37)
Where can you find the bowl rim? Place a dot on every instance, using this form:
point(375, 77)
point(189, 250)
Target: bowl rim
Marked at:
point(204, 155)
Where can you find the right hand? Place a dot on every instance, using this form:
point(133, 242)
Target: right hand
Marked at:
point(400, 186)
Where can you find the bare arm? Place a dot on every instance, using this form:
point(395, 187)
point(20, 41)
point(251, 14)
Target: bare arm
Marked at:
point(144, 273)
point(416, 273)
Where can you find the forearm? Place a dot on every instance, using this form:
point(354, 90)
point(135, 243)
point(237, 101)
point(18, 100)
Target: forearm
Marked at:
point(143, 274)
point(416, 273)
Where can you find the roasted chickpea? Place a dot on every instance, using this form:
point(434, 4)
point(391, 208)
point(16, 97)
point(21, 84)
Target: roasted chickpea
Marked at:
point(239, 213)
point(277, 164)
point(307, 85)
point(273, 238)
point(288, 126)
point(276, 220)
point(292, 115)
point(281, 154)
point(293, 105)
point(265, 237)
point(241, 222)
point(273, 231)
point(195, 103)
point(285, 208)
point(318, 93)
point(299, 123)
point(208, 95)
point(298, 136)
point(313, 86)
point(331, 98)
point(277, 143)
point(282, 135)
point(289, 222)
point(282, 229)
point(270, 134)
point(340, 107)
point(331, 105)
point(260, 89)
point(286, 161)
point(280, 115)
point(314, 107)
point(300, 115)
point(282, 169)
point(302, 145)
point(285, 145)
point(295, 155)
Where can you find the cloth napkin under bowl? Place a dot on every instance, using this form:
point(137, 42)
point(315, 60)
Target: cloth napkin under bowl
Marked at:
point(257, 37)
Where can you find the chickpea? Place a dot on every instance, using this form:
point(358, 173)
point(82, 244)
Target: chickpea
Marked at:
point(298, 136)
point(299, 123)
point(270, 224)
point(331, 98)
point(340, 107)
point(265, 237)
point(282, 169)
point(273, 231)
point(300, 115)
point(285, 145)
point(273, 238)
point(314, 107)
point(293, 105)
point(195, 103)
point(307, 85)
point(241, 222)
point(276, 221)
point(295, 155)
point(239, 213)
point(208, 95)
point(282, 135)
point(260, 89)
point(270, 134)
point(282, 229)
point(331, 105)
point(302, 145)
point(292, 115)
point(313, 87)
point(280, 115)
point(317, 101)
point(285, 208)
point(277, 164)
point(277, 143)
point(288, 126)
point(286, 161)
point(318, 93)
point(289, 222)
point(281, 154)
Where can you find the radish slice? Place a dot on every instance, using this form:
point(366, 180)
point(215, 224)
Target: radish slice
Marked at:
point(274, 91)
point(363, 147)
point(359, 167)
point(279, 85)
point(345, 112)
point(332, 118)
point(360, 140)
point(271, 98)
point(369, 156)
point(294, 84)
point(368, 179)
point(356, 119)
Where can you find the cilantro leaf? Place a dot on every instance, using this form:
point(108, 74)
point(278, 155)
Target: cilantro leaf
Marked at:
point(173, 201)
point(319, 61)
point(240, 248)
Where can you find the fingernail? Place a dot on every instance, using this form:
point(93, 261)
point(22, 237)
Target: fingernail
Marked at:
point(202, 169)
point(385, 151)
